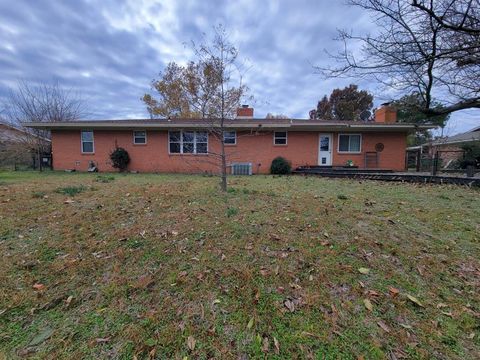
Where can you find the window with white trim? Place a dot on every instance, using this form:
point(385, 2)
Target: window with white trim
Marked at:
point(140, 137)
point(230, 137)
point(87, 141)
point(349, 143)
point(188, 142)
point(280, 138)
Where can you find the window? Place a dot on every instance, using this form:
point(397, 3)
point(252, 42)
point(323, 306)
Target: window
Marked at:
point(87, 141)
point(349, 143)
point(139, 137)
point(230, 137)
point(188, 142)
point(280, 138)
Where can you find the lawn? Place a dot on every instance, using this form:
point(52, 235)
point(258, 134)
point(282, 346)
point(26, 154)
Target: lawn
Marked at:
point(164, 266)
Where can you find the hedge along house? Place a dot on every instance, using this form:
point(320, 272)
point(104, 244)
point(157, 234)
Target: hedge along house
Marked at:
point(185, 145)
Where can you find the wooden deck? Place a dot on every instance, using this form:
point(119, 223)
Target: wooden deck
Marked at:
point(385, 175)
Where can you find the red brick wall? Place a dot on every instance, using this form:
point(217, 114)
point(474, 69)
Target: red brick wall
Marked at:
point(392, 156)
point(302, 149)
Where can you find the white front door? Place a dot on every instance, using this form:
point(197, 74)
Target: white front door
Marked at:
point(325, 150)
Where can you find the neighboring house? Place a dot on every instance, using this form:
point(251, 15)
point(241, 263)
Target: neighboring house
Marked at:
point(449, 148)
point(185, 145)
point(20, 147)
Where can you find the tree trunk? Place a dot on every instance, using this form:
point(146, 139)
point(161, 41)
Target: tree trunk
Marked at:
point(223, 184)
point(40, 168)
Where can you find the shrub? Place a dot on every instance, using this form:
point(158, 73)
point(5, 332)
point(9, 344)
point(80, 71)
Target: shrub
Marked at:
point(120, 158)
point(472, 156)
point(280, 166)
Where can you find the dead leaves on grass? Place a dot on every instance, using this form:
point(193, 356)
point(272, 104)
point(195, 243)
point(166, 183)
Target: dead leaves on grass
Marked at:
point(368, 304)
point(414, 300)
point(191, 342)
point(364, 271)
point(292, 304)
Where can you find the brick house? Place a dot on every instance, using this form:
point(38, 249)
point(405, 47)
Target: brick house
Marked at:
point(450, 148)
point(187, 146)
point(19, 147)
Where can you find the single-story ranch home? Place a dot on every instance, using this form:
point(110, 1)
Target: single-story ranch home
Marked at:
point(187, 145)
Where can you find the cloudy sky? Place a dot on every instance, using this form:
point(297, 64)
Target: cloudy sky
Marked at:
point(110, 50)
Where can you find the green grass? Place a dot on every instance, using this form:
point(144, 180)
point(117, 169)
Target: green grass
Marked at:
point(70, 190)
point(139, 263)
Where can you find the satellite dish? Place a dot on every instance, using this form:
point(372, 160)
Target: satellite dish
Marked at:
point(365, 115)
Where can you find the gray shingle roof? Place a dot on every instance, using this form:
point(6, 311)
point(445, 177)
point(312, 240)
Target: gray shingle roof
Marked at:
point(469, 136)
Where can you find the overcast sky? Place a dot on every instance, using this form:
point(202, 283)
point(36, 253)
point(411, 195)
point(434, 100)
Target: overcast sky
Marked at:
point(110, 50)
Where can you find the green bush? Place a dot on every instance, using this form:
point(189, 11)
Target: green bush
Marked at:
point(472, 156)
point(120, 158)
point(280, 166)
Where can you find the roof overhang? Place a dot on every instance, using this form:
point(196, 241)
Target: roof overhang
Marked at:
point(259, 125)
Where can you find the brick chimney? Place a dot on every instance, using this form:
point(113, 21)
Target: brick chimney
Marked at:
point(244, 112)
point(386, 114)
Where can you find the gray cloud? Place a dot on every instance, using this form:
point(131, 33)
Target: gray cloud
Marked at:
point(110, 50)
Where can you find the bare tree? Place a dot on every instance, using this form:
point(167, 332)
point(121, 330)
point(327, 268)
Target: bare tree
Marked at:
point(209, 89)
point(41, 103)
point(276, 116)
point(426, 47)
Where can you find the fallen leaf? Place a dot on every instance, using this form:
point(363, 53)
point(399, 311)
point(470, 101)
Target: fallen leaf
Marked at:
point(41, 337)
point(265, 345)
point(102, 340)
point(373, 293)
point(363, 271)
point(326, 234)
point(151, 354)
point(69, 201)
point(276, 270)
point(191, 343)
point(276, 346)
point(144, 282)
point(471, 336)
point(216, 301)
point(393, 291)
point(368, 304)
point(289, 305)
point(441, 305)
point(38, 286)
point(406, 326)
point(275, 237)
point(250, 323)
point(414, 300)
point(447, 313)
point(383, 326)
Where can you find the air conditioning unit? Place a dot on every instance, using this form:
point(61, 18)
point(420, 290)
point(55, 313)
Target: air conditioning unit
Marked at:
point(241, 168)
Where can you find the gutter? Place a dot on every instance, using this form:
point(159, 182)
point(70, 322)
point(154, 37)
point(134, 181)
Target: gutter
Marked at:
point(305, 126)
